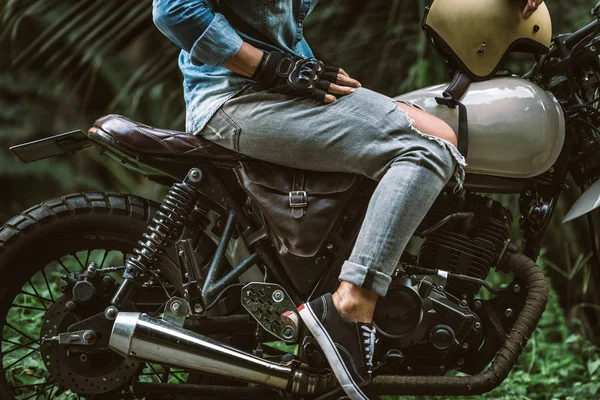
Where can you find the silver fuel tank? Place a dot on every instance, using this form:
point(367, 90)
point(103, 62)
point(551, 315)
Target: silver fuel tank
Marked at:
point(516, 128)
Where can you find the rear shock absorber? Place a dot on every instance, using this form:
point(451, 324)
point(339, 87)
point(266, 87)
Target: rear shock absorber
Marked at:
point(162, 232)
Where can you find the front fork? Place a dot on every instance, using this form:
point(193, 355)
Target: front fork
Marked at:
point(162, 232)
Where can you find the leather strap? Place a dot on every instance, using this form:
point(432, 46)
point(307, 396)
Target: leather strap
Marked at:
point(298, 196)
point(459, 86)
point(451, 98)
point(463, 130)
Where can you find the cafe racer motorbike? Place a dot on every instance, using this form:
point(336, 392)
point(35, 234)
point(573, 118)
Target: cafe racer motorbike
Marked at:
point(197, 296)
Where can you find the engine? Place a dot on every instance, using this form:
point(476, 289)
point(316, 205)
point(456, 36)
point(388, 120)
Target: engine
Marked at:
point(470, 246)
point(430, 313)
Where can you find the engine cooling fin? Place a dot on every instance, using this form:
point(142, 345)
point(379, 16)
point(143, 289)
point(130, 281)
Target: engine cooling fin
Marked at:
point(468, 247)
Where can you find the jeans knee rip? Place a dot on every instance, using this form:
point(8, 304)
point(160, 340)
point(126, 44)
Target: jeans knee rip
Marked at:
point(459, 173)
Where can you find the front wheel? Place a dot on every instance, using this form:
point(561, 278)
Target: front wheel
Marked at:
point(37, 250)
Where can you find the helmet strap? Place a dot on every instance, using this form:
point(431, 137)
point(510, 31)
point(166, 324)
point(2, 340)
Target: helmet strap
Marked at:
point(451, 99)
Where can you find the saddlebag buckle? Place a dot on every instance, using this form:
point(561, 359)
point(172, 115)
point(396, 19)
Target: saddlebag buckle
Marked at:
point(298, 199)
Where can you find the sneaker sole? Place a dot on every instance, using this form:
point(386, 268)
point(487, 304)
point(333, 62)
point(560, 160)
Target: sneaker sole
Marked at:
point(331, 353)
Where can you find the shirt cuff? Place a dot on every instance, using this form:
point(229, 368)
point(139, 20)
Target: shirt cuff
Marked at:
point(218, 44)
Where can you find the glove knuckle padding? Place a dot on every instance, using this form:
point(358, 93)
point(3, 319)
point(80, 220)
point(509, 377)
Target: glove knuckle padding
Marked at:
point(296, 76)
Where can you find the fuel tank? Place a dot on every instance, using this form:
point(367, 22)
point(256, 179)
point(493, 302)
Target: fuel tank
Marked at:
point(516, 128)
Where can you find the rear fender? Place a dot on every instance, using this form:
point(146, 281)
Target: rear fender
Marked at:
point(589, 201)
point(65, 143)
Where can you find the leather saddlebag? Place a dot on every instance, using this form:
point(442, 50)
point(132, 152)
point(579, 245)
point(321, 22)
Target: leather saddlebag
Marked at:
point(300, 207)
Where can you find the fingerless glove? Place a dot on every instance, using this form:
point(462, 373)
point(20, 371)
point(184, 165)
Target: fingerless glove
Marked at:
point(295, 76)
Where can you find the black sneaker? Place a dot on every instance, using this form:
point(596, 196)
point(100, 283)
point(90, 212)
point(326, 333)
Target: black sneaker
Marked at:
point(348, 346)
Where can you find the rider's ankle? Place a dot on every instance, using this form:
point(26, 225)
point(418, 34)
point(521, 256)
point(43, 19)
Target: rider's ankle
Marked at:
point(355, 303)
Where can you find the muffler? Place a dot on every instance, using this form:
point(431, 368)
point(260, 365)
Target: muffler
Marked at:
point(144, 338)
point(141, 337)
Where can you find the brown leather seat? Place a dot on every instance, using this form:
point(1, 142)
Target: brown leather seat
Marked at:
point(145, 141)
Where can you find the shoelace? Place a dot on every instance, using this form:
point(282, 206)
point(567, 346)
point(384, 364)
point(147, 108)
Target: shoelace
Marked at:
point(368, 333)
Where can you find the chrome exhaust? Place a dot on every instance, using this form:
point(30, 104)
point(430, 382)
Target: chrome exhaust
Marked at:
point(144, 338)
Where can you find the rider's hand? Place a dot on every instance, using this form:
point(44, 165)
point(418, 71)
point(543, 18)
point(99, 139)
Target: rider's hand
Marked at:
point(531, 6)
point(300, 77)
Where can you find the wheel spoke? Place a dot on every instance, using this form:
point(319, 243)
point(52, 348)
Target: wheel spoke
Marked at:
point(52, 390)
point(38, 394)
point(30, 385)
point(64, 267)
point(17, 343)
point(28, 307)
point(87, 259)
point(40, 298)
point(78, 260)
point(20, 359)
point(104, 258)
point(15, 329)
point(27, 345)
point(47, 285)
point(36, 292)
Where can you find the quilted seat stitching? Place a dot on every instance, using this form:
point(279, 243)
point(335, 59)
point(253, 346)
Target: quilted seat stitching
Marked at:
point(137, 128)
point(150, 135)
point(159, 140)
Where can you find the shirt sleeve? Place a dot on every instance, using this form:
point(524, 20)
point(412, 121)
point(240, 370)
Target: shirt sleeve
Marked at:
point(191, 24)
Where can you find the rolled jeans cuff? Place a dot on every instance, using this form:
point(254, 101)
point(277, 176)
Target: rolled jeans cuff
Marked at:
point(366, 278)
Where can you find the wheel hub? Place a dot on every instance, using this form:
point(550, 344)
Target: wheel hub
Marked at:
point(82, 372)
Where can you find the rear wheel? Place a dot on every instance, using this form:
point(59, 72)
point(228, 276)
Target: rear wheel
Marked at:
point(37, 248)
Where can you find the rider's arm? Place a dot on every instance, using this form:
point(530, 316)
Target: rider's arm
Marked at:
point(191, 24)
point(210, 39)
point(207, 37)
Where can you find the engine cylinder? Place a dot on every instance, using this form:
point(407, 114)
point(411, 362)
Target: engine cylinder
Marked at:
point(468, 247)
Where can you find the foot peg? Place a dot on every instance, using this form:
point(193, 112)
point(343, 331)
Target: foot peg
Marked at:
point(272, 308)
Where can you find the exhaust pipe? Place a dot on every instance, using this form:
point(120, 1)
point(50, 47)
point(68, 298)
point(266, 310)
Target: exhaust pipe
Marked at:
point(144, 338)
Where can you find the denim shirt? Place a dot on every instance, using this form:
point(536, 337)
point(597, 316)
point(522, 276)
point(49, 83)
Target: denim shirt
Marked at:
point(208, 39)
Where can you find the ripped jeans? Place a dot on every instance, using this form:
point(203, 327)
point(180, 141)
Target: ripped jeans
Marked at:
point(365, 133)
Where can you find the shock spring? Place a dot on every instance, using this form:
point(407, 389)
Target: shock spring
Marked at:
point(164, 229)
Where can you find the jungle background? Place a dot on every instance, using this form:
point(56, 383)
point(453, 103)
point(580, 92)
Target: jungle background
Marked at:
point(65, 63)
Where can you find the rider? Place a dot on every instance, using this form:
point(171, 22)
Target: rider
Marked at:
point(248, 89)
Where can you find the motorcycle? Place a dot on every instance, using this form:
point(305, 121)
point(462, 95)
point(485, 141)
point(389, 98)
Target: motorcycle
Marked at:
point(198, 296)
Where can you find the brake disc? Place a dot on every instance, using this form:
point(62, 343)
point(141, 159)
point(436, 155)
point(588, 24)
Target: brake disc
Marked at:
point(81, 372)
